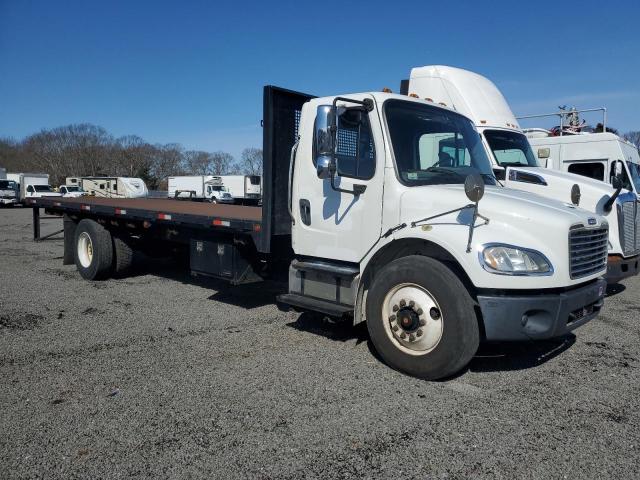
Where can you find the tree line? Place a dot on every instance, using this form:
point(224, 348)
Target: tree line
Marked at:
point(89, 150)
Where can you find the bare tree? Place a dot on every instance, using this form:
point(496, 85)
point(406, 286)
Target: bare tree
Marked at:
point(221, 163)
point(196, 162)
point(633, 137)
point(251, 161)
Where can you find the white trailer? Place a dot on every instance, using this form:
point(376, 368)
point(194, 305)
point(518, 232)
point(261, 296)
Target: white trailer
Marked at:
point(197, 187)
point(516, 166)
point(244, 188)
point(110, 187)
point(32, 185)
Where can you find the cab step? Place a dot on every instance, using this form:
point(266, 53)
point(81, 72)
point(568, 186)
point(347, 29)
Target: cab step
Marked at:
point(314, 304)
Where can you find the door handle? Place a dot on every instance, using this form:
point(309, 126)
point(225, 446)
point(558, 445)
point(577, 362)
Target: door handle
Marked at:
point(305, 211)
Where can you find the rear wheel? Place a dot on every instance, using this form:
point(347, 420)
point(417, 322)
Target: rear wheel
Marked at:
point(94, 250)
point(421, 318)
point(123, 255)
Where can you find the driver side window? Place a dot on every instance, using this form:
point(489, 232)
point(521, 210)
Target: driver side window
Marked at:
point(355, 151)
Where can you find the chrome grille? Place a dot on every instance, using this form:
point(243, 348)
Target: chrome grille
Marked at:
point(629, 225)
point(587, 251)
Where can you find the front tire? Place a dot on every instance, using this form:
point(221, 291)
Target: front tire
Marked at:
point(93, 253)
point(421, 318)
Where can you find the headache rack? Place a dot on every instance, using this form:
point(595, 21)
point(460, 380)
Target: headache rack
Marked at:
point(588, 248)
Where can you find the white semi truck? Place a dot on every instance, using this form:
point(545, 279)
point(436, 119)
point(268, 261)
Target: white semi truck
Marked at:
point(32, 185)
point(207, 188)
point(433, 258)
point(516, 166)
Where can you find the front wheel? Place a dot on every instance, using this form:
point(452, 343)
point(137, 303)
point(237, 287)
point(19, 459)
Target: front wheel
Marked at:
point(213, 200)
point(421, 318)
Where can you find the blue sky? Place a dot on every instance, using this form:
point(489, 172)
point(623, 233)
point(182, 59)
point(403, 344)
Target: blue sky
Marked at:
point(192, 71)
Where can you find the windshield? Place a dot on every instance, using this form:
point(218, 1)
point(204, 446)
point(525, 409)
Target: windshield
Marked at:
point(510, 148)
point(7, 185)
point(42, 188)
point(433, 146)
point(73, 189)
point(634, 171)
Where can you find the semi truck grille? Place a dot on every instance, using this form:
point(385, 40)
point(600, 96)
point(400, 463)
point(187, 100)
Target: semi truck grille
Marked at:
point(629, 224)
point(588, 251)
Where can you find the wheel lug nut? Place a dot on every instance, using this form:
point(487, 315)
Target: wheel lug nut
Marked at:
point(403, 335)
point(392, 318)
point(423, 322)
point(435, 313)
point(394, 328)
point(412, 337)
point(403, 303)
point(412, 303)
point(395, 308)
point(419, 333)
point(419, 312)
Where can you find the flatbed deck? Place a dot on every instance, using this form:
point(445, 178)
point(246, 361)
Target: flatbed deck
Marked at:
point(158, 210)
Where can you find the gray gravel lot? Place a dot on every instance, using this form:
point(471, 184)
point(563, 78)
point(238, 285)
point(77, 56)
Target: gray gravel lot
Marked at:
point(157, 375)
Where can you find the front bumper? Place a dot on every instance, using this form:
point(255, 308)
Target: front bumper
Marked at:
point(619, 268)
point(540, 316)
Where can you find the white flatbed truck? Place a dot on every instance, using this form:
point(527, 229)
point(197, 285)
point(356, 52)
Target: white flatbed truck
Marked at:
point(432, 259)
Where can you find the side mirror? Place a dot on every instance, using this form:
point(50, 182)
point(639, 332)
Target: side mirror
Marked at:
point(324, 141)
point(575, 194)
point(474, 187)
point(616, 182)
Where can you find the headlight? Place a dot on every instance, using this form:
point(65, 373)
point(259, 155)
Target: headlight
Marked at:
point(508, 260)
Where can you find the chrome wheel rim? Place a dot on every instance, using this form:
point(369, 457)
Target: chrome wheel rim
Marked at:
point(412, 318)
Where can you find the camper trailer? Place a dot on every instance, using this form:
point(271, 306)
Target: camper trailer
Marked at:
point(110, 187)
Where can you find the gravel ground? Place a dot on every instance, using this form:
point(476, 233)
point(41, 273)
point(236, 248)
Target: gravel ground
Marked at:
point(160, 376)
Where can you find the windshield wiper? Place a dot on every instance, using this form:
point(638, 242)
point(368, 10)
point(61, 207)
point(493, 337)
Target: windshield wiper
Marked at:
point(444, 170)
point(515, 164)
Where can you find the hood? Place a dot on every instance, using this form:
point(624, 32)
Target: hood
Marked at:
point(594, 193)
point(512, 208)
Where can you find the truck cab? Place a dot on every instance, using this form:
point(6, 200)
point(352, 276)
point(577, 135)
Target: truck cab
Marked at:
point(385, 222)
point(8, 192)
point(71, 191)
point(516, 166)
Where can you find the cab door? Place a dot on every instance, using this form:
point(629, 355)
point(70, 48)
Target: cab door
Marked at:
point(332, 224)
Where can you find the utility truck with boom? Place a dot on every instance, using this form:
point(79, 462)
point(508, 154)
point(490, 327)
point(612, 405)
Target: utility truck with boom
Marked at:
point(516, 166)
point(368, 225)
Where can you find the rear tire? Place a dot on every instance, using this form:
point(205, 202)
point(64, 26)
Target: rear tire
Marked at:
point(421, 318)
point(93, 252)
point(123, 256)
